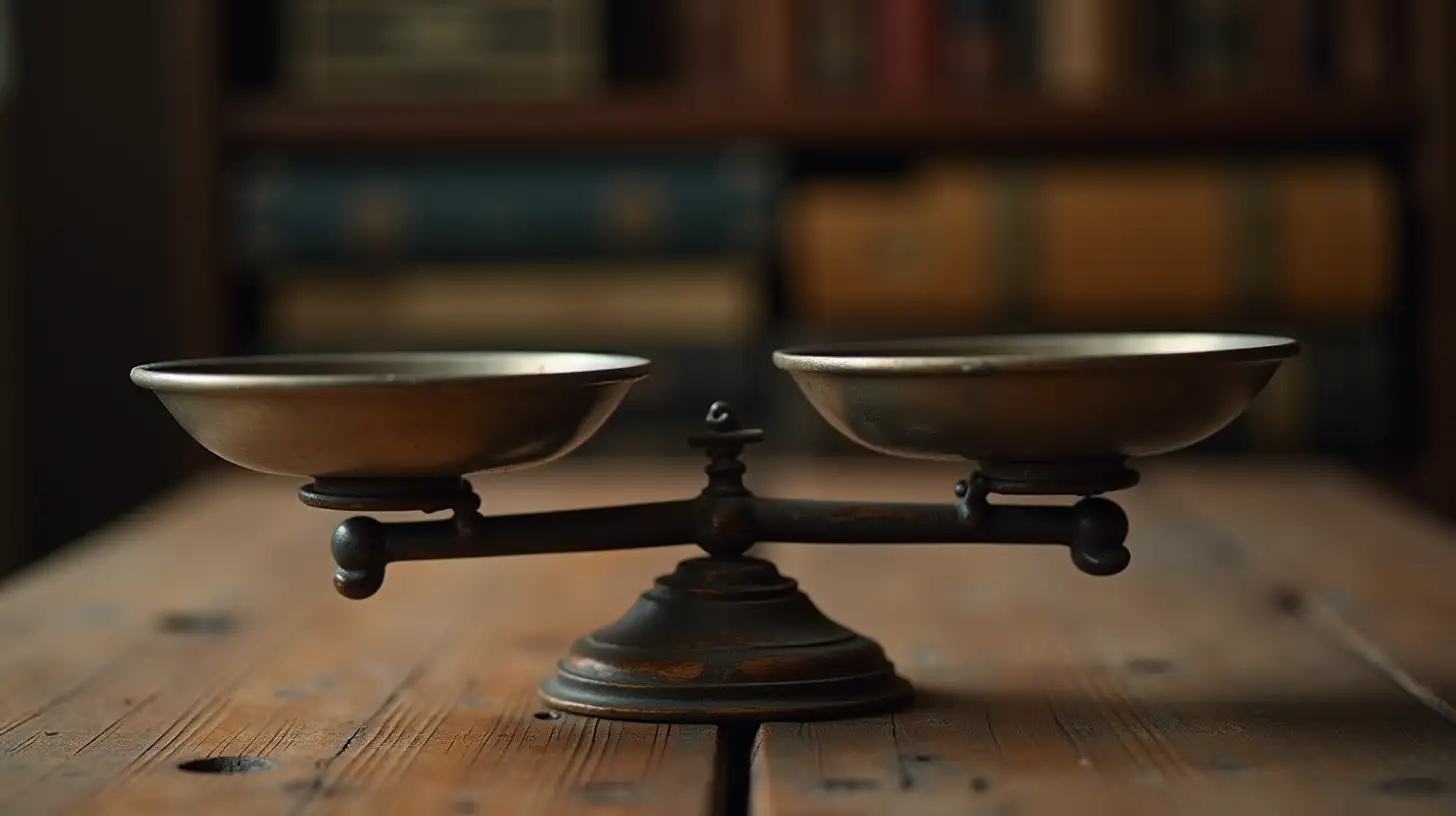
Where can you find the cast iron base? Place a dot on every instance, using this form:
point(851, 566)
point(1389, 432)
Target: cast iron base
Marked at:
point(725, 639)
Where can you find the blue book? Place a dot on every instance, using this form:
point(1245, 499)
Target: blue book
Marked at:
point(391, 209)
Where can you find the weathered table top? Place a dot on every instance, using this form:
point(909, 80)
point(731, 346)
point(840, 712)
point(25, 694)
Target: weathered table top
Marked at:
point(1284, 642)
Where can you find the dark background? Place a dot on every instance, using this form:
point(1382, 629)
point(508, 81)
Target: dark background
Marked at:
point(116, 137)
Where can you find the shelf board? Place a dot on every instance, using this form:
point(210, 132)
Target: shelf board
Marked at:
point(1015, 124)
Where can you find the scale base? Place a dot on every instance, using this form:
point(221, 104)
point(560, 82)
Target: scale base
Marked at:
point(725, 639)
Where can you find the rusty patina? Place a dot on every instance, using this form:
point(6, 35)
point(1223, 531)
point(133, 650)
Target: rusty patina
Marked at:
point(724, 637)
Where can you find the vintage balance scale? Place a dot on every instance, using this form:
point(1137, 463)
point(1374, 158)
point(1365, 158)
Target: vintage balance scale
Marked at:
point(724, 637)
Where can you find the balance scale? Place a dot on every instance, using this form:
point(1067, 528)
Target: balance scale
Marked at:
point(724, 637)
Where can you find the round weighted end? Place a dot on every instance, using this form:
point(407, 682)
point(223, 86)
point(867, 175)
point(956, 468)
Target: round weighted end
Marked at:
point(359, 551)
point(1097, 548)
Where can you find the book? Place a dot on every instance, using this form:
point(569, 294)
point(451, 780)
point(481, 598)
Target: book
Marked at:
point(1131, 243)
point(975, 44)
point(904, 55)
point(704, 43)
point(1067, 244)
point(386, 209)
point(868, 253)
point(835, 45)
point(763, 39)
point(368, 50)
point(1082, 47)
point(662, 303)
point(1217, 43)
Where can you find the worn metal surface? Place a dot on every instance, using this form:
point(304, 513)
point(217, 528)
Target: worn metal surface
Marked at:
point(393, 415)
point(725, 637)
point(1036, 397)
point(1276, 649)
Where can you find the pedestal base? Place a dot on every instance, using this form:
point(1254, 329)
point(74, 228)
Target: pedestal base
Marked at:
point(723, 640)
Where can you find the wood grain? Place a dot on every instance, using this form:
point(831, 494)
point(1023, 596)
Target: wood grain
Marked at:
point(1185, 685)
point(1278, 646)
point(420, 700)
point(1353, 560)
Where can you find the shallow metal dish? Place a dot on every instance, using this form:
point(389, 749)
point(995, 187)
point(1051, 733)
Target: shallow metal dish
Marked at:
point(393, 415)
point(1036, 398)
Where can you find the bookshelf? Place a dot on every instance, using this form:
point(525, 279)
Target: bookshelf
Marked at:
point(1406, 122)
point(1012, 124)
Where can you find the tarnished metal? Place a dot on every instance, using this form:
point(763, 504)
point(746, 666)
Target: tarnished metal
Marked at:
point(393, 416)
point(1036, 398)
point(724, 637)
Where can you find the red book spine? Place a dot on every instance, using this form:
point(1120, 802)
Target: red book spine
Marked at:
point(903, 29)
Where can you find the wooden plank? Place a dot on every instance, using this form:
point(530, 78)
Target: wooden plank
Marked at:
point(1181, 686)
point(1354, 560)
point(421, 699)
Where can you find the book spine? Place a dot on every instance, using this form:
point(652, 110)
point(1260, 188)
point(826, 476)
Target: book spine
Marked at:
point(390, 210)
point(1152, 52)
point(450, 49)
point(1363, 43)
point(974, 46)
point(1318, 50)
point(836, 44)
point(1081, 53)
point(705, 44)
point(1313, 241)
point(1217, 43)
point(904, 64)
point(1278, 46)
point(764, 47)
point(704, 304)
point(1023, 27)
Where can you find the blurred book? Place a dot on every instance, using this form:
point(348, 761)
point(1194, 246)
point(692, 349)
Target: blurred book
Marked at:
point(587, 304)
point(837, 45)
point(372, 50)
point(1097, 245)
point(867, 252)
point(391, 209)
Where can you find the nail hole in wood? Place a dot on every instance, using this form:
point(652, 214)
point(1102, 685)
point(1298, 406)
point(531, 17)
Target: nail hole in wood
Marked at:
point(546, 715)
point(1288, 601)
point(608, 793)
point(196, 623)
point(1412, 786)
point(1149, 665)
point(51, 733)
point(848, 785)
point(228, 765)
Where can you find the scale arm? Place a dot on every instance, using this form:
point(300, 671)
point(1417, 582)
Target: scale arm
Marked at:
point(363, 546)
point(1094, 529)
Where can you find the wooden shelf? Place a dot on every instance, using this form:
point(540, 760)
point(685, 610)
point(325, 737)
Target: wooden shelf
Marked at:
point(988, 124)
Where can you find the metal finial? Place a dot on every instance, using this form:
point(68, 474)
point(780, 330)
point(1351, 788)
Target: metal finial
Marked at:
point(722, 418)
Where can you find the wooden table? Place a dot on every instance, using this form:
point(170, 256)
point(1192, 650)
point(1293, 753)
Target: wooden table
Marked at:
point(1284, 643)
